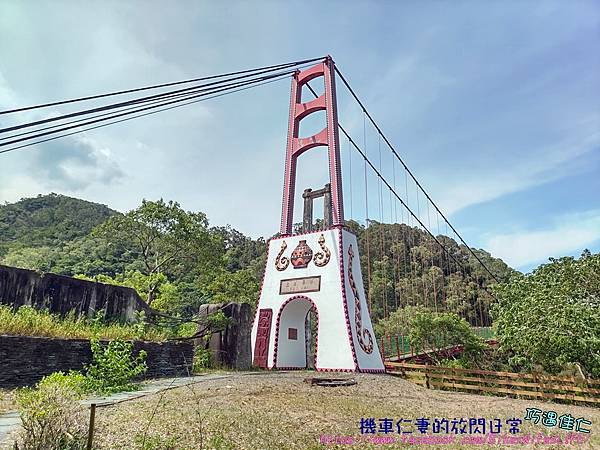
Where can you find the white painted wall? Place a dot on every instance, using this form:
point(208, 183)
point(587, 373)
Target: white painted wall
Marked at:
point(373, 359)
point(334, 349)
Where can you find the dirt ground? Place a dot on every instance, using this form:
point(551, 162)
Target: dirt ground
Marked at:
point(278, 410)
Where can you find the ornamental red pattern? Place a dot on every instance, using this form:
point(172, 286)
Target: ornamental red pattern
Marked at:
point(282, 263)
point(360, 333)
point(345, 297)
point(263, 334)
point(301, 255)
point(322, 258)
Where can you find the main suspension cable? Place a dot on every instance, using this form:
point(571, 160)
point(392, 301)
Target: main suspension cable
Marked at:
point(140, 115)
point(158, 86)
point(196, 94)
point(134, 101)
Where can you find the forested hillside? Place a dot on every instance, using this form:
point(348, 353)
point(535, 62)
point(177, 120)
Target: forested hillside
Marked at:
point(48, 220)
point(405, 266)
point(176, 260)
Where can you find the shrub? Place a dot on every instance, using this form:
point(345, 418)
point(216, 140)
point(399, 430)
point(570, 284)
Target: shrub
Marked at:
point(114, 367)
point(431, 331)
point(551, 317)
point(399, 321)
point(51, 416)
point(73, 381)
point(202, 359)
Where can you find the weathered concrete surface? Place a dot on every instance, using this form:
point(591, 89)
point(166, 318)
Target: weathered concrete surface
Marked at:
point(60, 295)
point(231, 347)
point(25, 360)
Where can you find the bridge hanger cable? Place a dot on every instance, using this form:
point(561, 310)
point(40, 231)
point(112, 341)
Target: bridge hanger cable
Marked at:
point(411, 214)
point(403, 203)
point(209, 97)
point(408, 170)
point(130, 111)
point(158, 86)
point(409, 210)
point(367, 225)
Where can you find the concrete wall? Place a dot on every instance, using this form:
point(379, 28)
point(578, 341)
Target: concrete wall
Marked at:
point(26, 360)
point(230, 347)
point(60, 294)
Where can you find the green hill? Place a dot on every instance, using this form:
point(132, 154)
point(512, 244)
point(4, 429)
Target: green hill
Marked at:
point(48, 220)
point(402, 265)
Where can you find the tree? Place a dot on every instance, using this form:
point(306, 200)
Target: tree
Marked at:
point(399, 322)
point(430, 331)
point(241, 286)
point(551, 317)
point(39, 259)
point(167, 238)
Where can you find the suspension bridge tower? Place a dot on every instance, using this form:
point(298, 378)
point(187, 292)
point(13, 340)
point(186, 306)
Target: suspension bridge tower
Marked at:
point(316, 271)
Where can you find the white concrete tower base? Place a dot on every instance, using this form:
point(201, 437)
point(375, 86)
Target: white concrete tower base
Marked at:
point(331, 282)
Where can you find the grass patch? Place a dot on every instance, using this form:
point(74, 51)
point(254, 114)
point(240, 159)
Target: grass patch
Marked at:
point(27, 321)
point(280, 411)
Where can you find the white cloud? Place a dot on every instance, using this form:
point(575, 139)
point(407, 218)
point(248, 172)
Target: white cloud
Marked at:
point(74, 164)
point(569, 234)
point(539, 167)
point(18, 186)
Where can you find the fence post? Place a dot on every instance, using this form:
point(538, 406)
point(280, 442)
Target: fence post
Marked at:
point(91, 426)
point(427, 378)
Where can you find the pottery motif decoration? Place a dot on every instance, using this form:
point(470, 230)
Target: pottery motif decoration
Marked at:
point(301, 255)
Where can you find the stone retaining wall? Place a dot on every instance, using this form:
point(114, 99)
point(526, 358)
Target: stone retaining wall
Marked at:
point(25, 360)
point(61, 295)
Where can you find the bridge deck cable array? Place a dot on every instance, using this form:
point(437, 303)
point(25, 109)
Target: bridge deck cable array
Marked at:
point(434, 291)
point(403, 277)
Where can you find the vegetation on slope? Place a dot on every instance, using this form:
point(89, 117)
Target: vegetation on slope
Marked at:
point(404, 266)
point(27, 321)
point(48, 221)
point(176, 261)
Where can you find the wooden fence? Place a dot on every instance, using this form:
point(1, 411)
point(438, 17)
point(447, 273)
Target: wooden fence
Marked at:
point(528, 385)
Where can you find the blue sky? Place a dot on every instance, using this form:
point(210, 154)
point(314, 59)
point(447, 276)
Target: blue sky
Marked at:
point(494, 105)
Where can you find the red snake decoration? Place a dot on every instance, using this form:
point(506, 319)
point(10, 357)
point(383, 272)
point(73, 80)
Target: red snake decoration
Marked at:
point(282, 263)
point(361, 334)
point(322, 258)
